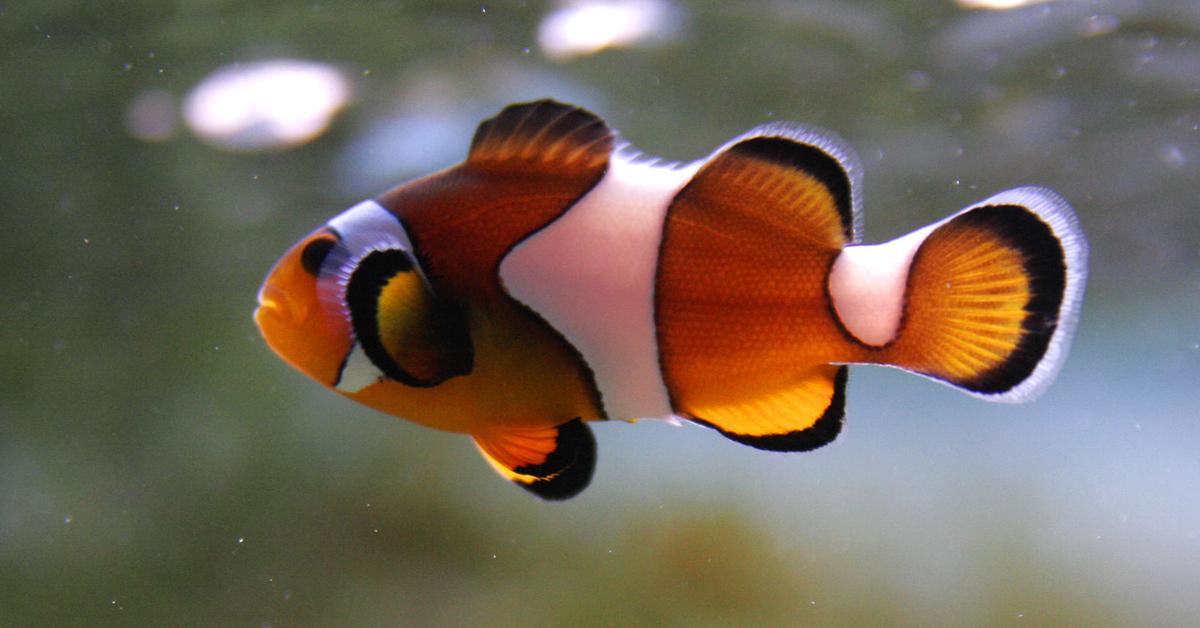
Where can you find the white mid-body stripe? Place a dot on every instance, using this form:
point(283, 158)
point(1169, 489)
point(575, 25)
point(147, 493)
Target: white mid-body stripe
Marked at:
point(591, 275)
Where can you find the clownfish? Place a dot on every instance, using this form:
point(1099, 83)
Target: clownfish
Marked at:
point(555, 278)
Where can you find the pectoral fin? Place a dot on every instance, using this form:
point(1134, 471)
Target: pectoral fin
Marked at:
point(553, 463)
point(408, 333)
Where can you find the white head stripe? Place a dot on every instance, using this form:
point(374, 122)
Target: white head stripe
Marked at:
point(363, 229)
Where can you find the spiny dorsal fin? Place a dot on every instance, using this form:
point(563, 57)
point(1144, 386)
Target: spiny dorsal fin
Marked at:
point(542, 133)
point(552, 463)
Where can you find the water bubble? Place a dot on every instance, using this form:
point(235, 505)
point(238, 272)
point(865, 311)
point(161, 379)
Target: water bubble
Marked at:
point(1096, 25)
point(918, 81)
point(151, 116)
point(1172, 155)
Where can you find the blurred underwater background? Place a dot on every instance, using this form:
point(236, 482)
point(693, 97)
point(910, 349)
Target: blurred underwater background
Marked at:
point(160, 466)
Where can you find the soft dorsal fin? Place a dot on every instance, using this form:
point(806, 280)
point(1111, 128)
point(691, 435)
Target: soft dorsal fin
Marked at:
point(542, 133)
point(806, 177)
point(552, 462)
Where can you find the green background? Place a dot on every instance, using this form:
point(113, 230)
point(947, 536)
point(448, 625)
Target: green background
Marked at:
point(159, 466)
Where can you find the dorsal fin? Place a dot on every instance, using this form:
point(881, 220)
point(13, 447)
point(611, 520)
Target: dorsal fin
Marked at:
point(783, 165)
point(551, 462)
point(542, 133)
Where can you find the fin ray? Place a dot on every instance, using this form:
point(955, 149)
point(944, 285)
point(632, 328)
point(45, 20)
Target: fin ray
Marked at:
point(806, 417)
point(993, 296)
point(553, 463)
point(541, 133)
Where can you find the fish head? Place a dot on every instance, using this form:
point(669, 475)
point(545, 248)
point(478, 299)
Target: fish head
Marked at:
point(307, 332)
point(351, 307)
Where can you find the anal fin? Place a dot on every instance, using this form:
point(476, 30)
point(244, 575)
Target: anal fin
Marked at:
point(801, 418)
point(553, 462)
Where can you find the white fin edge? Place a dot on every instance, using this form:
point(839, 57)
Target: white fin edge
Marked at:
point(1056, 212)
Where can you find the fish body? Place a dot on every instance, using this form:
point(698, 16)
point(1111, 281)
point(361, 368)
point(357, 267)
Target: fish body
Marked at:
point(551, 280)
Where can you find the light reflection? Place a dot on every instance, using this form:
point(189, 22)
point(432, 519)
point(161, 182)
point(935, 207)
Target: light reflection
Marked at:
point(1096, 25)
point(997, 5)
point(266, 105)
point(586, 27)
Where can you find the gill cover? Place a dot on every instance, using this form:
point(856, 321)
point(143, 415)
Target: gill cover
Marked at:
point(402, 329)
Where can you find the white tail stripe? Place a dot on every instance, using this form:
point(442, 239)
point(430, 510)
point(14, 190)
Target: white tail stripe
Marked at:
point(867, 285)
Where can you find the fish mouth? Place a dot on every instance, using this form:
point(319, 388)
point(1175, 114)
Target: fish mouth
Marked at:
point(273, 308)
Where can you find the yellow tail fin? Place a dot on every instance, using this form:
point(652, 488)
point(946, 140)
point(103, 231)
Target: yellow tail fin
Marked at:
point(992, 296)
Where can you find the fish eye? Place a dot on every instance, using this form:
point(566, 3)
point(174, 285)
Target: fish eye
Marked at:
point(314, 255)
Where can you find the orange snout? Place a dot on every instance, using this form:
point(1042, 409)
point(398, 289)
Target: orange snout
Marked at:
point(312, 336)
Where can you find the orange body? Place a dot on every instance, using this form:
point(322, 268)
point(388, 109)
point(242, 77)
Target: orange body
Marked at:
point(510, 296)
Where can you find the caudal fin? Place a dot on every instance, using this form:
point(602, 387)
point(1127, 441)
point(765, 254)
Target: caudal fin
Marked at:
point(992, 296)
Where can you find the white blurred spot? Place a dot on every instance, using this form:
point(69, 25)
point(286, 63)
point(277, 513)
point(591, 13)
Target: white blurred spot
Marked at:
point(997, 5)
point(151, 116)
point(586, 27)
point(918, 81)
point(1172, 155)
point(266, 105)
point(1096, 25)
